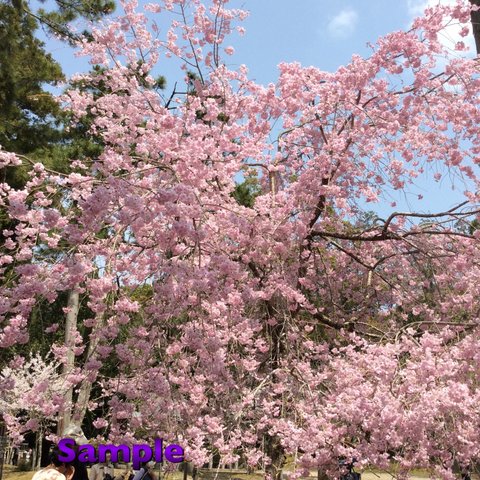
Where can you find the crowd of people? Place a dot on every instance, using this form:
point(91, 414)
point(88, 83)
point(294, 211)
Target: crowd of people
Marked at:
point(76, 470)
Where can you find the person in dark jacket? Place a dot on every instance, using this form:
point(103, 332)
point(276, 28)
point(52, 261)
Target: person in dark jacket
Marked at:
point(146, 472)
point(75, 433)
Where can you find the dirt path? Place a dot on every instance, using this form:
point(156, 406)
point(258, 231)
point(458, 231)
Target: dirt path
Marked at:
point(10, 473)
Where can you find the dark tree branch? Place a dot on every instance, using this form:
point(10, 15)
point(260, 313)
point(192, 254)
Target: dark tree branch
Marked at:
point(475, 17)
point(422, 215)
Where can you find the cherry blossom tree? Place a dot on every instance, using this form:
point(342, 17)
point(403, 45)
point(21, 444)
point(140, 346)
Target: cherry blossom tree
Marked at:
point(32, 393)
point(288, 325)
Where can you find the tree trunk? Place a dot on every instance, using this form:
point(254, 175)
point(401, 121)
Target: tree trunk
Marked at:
point(9, 456)
point(73, 305)
point(321, 475)
point(475, 18)
point(85, 388)
point(37, 453)
point(276, 453)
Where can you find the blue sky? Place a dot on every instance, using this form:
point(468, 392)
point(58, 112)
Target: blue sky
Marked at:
point(322, 33)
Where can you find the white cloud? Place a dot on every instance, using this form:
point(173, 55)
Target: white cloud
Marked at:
point(343, 24)
point(416, 7)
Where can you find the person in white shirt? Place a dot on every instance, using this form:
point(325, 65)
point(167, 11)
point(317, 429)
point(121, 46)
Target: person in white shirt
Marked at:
point(103, 471)
point(56, 470)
